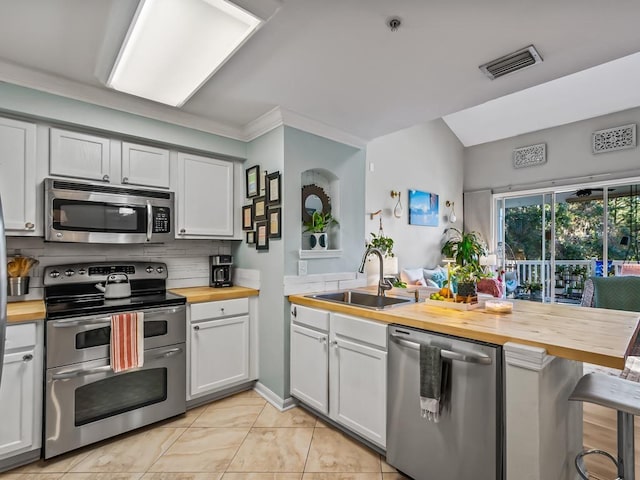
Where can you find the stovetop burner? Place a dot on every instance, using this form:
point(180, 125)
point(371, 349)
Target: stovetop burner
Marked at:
point(70, 290)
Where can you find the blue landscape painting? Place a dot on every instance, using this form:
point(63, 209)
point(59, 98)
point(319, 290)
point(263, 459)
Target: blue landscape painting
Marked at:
point(423, 208)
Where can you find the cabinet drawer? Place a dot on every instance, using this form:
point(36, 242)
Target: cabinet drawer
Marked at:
point(310, 317)
point(222, 308)
point(19, 336)
point(366, 331)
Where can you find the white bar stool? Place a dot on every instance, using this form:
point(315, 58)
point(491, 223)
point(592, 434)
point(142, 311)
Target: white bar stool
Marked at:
point(622, 395)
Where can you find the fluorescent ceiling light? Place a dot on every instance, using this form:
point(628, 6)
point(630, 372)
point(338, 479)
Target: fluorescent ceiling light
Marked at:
point(174, 46)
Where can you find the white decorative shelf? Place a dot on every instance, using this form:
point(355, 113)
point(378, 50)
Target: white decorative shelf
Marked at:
point(305, 254)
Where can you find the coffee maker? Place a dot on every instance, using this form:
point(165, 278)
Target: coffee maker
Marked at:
point(221, 271)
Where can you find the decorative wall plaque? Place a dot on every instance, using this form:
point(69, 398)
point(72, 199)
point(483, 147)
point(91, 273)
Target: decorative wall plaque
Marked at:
point(611, 139)
point(530, 156)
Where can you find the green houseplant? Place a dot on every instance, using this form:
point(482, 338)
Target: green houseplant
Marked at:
point(382, 243)
point(465, 248)
point(318, 225)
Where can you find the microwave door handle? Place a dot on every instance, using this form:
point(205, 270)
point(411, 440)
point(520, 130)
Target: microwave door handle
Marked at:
point(149, 221)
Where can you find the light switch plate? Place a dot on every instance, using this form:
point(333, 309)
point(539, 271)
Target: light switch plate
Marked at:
point(302, 267)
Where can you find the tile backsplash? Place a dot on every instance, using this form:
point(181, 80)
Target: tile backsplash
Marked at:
point(187, 260)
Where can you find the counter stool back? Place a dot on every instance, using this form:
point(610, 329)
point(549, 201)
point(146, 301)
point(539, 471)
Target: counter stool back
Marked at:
point(622, 395)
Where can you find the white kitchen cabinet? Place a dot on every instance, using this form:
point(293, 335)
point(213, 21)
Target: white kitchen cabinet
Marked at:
point(339, 367)
point(92, 157)
point(80, 155)
point(145, 165)
point(204, 197)
point(18, 177)
point(21, 390)
point(219, 348)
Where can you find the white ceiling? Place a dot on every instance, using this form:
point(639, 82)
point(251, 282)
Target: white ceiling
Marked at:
point(330, 61)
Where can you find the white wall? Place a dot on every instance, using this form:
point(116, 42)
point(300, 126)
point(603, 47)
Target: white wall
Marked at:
point(425, 157)
point(568, 156)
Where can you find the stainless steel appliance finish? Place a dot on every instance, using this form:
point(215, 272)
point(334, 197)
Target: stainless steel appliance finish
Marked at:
point(468, 442)
point(3, 289)
point(221, 271)
point(85, 401)
point(96, 213)
point(361, 299)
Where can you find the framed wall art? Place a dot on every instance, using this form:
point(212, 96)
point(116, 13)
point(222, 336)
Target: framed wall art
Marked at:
point(423, 208)
point(251, 237)
point(274, 189)
point(274, 223)
point(262, 235)
point(247, 217)
point(253, 181)
point(259, 209)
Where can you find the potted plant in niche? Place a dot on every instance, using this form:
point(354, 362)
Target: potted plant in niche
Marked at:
point(465, 248)
point(318, 226)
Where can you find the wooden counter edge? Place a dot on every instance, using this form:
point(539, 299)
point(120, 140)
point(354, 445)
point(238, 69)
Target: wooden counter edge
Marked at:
point(210, 294)
point(28, 311)
point(447, 329)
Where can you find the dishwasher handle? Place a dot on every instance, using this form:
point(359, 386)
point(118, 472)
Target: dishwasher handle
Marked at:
point(479, 358)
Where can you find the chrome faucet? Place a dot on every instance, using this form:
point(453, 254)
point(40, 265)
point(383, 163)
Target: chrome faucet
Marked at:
point(383, 284)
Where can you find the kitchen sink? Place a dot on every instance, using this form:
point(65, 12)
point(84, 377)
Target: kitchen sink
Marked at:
point(361, 299)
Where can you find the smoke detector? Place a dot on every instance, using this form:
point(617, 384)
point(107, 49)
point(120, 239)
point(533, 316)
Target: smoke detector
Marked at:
point(512, 62)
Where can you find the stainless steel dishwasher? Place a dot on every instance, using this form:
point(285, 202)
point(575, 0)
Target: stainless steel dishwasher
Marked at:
point(468, 442)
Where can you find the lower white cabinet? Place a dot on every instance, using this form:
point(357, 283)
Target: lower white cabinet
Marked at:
point(339, 367)
point(219, 346)
point(21, 390)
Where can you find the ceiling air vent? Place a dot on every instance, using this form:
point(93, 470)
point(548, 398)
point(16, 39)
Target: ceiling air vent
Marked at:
point(512, 62)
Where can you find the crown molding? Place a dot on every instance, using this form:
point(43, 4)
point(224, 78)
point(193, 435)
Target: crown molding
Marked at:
point(56, 85)
point(280, 116)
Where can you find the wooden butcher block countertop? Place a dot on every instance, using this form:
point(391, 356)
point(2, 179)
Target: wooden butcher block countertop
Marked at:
point(592, 335)
point(210, 294)
point(25, 311)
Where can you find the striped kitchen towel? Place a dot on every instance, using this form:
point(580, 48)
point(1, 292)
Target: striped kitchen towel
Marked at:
point(127, 341)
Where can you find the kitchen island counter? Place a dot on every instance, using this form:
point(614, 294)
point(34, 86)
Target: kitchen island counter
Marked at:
point(592, 335)
point(210, 294)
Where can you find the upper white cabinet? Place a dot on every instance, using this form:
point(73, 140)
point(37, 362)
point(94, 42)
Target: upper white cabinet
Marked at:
point(97, 158)
point(18, 176)
point(80, 155)
point(204, 197)
point(145, 165)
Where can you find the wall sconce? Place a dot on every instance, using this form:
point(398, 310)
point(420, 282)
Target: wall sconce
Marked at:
point(452, 215)
point(397, 211)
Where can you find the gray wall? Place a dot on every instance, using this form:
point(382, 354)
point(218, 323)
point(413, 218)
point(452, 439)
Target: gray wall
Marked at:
point(489, 166)
point(425, 157)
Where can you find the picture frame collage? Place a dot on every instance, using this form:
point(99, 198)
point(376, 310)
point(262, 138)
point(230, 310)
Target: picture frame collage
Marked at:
point(262, 218)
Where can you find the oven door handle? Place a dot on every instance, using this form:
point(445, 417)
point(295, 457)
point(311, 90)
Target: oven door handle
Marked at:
point(149, 221)
point(83, 372)
point(104, 322)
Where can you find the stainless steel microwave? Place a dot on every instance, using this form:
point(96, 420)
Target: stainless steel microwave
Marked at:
point(87, 212)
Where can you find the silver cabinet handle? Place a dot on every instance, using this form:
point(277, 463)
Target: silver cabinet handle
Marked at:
point(27, 358)
point(125, 179)
point(222, 310)
point(294, 312)
point(182, 231)
point(105, 178)
point(322, 339)
point(29, 226)
point(478, 358)
point(196, 327)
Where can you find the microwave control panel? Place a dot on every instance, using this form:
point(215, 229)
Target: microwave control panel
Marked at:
point(161, 220)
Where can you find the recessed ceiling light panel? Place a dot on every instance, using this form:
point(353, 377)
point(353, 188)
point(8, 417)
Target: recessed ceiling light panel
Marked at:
point(173, 47)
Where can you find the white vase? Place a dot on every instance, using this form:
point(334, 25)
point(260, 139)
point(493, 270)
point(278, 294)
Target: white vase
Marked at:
point(318, 241)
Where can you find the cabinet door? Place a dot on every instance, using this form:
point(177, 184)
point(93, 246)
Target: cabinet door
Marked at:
point(219, 354)
point(79, 155)
point(359, 389)
point(17, 394)
point(205, 197)
point(18, 175)
point(145, 165)
point(310, 367)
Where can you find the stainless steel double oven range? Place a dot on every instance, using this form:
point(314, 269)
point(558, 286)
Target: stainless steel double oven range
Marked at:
point(85, 401)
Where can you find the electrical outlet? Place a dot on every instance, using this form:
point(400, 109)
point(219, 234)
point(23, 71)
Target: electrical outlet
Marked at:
point(302, 267)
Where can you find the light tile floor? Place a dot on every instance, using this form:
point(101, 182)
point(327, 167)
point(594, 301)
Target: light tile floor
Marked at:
point(238, 438)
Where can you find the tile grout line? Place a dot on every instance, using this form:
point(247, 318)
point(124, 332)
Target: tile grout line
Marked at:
point(243, 440)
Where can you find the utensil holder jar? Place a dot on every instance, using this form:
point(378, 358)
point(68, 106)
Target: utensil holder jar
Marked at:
point(17, 286)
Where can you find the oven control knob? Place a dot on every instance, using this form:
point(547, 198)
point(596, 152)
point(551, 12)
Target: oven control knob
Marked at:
point(149, 269)
point(160, 269)
point(82, 271)
point(54, 273)
point(69, 273)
